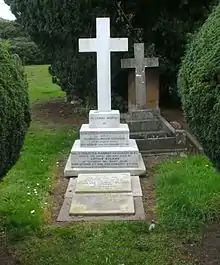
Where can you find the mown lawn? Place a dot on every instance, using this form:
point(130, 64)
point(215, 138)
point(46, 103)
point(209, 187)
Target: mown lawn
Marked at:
point(187, 197)
point(105, 243)
point(41, 87)
point(24, 192)
point(188, 194)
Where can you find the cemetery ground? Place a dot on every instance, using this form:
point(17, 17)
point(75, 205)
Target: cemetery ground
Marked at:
point(182, 194)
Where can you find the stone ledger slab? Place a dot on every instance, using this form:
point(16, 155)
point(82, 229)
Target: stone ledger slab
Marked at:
point(70, 171)
point(102, 204)
point(96, 137)
point(64, 215)
point(105, 157)
point(135, 183)
point(108, 119)
point(104, 183)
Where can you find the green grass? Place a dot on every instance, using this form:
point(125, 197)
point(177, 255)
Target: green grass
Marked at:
point(21, 208)
point(40, 84)
point(33, 171)
point(188, 193)
point(118, 243)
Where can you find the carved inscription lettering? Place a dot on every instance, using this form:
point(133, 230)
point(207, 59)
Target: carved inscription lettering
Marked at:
point(105, 159)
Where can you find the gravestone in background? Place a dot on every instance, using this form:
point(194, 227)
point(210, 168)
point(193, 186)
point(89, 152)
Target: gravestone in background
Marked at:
point(143, 86)
point(152, 132)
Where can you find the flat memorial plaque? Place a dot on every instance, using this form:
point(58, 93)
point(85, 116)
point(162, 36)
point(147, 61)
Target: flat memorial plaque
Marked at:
point(102, 204)
point(103, 183)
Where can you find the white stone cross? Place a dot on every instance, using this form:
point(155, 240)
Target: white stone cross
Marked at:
point(103, 45)
point(140, 63)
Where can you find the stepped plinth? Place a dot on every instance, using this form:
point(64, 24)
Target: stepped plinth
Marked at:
point(105, 146)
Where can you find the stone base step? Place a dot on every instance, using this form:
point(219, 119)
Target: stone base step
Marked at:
point(148, 134)
point(70, 171)
point(145, 125)
point(174, 152)
point(158, 143)
point(103, 137)
point(105, 157)
point(106, 119)
point(144, 114)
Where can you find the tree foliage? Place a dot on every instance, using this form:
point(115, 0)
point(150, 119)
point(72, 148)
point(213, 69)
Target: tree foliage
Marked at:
point(60, 25)
point(199, 82)
point(11, 30)
point(28, 51)
point(167, 25)
point(21, 43)
point(14, 108)
point(162, 25)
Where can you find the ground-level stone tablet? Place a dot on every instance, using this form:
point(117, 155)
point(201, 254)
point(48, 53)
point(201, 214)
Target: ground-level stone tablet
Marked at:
point(102, 204)
point(104, 182)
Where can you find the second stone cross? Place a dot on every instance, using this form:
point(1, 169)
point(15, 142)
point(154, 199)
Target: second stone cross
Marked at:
point(139, 63)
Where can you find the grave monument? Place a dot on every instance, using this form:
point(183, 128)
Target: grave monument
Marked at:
point(142, 93)
point(106, 162)
point(153, 134)
point(104, 144)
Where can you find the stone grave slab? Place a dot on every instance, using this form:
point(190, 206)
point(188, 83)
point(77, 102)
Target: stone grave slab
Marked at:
point(64, 215)
point(102, 204)
point(103, 183)
point(135, 184)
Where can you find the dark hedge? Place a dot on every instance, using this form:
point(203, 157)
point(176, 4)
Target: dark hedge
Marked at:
point(14, 108)
point(199, 83)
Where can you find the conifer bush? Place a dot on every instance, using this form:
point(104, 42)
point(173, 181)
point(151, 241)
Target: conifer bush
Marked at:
point(14, 108)
point(199, 84)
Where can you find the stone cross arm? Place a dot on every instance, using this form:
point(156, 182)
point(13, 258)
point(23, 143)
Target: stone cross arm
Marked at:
point(147, 62)
point(115, 45)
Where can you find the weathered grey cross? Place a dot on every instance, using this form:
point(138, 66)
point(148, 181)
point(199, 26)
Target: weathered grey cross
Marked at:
point(140, 63)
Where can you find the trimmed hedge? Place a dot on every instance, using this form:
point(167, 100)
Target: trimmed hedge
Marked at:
point(199, 83)
point(14, 108)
